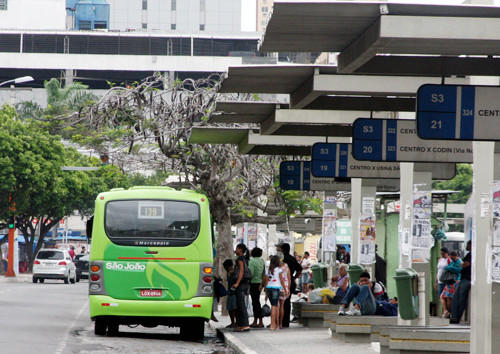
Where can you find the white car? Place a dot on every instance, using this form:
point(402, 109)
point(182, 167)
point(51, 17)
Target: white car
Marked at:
point(53, 264)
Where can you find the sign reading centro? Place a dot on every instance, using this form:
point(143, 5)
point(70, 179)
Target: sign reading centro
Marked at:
point(397, 140)
point(455, 112)
point(336, 160)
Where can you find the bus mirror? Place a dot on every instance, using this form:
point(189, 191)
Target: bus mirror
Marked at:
point(90, 224)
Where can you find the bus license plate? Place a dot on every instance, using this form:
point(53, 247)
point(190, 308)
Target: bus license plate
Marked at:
point(150, 293)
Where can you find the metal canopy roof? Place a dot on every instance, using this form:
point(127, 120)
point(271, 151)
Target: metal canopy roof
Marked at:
point(251, 142)
point(360, 31)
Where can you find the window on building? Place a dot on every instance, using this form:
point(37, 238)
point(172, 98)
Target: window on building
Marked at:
point(3, 4)
point(173, 26)
point(100, 25)
point(144, 26)
point(85, 25)
point(174, 6)
point(202, 27)
point(265, 9)
point(144, 4)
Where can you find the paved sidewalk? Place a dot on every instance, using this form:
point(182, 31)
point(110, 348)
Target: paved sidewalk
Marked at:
point(295, 339)
point(21, 278)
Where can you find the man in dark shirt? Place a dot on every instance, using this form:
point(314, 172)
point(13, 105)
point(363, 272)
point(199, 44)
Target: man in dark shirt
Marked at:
point(295, 272)
point(461, 295)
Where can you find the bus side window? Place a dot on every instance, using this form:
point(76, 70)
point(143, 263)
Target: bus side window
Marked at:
point(90, 224)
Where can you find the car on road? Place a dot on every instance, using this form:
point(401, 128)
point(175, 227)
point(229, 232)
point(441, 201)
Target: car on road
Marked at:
point(53, 264)
point(82, 266)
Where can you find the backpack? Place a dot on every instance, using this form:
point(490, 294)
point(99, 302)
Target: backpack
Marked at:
point(382, 295)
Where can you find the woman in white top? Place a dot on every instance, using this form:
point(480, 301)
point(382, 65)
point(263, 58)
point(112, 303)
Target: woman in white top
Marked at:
point(442, 263)
point(274, 280)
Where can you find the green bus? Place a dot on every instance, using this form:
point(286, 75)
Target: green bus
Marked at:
point(151, 260)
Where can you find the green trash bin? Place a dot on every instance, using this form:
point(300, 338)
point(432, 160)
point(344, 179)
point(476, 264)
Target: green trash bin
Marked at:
point(407, 288)
point(354, 272)
point(320, 275)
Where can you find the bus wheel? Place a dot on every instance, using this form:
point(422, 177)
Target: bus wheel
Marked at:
point(113, 329)
point(35, 280)
point(194, 330)
point(100, 326)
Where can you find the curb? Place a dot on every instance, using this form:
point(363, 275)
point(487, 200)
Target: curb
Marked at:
point(232, 341)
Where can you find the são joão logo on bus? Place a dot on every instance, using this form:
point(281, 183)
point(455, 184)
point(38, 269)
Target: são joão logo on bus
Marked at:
point(129, 267)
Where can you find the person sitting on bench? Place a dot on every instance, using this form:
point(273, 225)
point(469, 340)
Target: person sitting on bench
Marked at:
point(364, 295)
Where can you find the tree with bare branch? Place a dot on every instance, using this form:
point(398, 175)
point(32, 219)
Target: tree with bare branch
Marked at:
point(151, 122)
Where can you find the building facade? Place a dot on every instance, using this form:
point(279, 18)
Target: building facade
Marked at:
point(264, 8)
point(33, 14)
point(180, 16)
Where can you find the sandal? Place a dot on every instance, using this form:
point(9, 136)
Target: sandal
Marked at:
point(241, 329)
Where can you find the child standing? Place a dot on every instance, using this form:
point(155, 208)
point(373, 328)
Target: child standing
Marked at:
point(274, 281)
point(231, 293)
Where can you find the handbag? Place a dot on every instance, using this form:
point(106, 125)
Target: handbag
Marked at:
point(448, 277)
point(266, 310)
point(249, 306)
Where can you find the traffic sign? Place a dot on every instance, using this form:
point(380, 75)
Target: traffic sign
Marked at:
point(453, 112)
point(397, 140)
point(336, 160)
point(296, 175)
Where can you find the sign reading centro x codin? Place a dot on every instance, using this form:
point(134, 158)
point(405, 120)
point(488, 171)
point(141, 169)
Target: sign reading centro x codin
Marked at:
point(397, 140)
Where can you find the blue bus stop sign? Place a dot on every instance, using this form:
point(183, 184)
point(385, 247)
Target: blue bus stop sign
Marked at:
point(457, 112)
point(397, 140)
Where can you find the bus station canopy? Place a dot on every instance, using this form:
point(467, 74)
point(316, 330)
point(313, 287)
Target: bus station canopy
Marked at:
point(365, 33)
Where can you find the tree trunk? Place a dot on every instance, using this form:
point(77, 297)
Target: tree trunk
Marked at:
point(224, 251)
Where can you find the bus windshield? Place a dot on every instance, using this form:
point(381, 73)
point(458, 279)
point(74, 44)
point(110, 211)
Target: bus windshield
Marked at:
point(159, 220)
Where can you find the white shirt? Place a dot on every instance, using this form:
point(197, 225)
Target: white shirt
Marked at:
point(306, 263)
point(442, 263)
point(274, 279)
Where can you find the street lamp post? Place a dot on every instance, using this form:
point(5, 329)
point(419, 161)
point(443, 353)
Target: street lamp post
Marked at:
point(18, 80)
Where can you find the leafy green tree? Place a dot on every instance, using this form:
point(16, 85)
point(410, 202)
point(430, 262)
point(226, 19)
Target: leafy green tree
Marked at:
point(33, 185)
point(462, 183)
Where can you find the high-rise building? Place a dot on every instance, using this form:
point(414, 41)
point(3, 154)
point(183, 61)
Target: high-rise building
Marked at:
point(180, 16)
point(264, 8)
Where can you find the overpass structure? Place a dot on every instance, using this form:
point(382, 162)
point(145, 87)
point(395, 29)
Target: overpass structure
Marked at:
point(382, 42)
point(96, 57)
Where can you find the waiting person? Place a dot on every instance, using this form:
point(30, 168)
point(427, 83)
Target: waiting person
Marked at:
point(449, 289)
point(387, 308)
point(380, 267)
point(304, 297)
point(231, 293)
point(83, 250)
point(274, 280)
point(306, 264)
point(295, 272)
point(341, 282)
point(461, 297)
point(438, 285)
point(241, 286)
point(364, 294)
point(286, 284)
point(72, 252)
point(257, 267)
point(342, 255)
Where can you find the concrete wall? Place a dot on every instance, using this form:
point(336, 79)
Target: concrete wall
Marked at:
point(34, 14)
point(117, 62)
